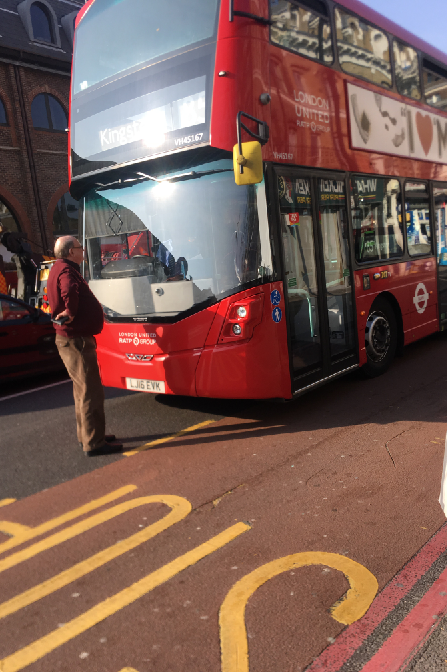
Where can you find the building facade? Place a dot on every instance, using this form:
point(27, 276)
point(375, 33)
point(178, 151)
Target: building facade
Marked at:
point(36, 42)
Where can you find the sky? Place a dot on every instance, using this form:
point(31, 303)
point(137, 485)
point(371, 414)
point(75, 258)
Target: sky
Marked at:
point(425, 18)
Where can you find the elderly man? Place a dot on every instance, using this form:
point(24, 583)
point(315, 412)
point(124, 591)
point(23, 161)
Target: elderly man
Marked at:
point(80, 317)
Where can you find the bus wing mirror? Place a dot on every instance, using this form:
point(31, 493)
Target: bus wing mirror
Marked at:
point(251, 160)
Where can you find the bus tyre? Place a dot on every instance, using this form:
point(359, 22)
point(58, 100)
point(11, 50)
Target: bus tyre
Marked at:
point(380, 338)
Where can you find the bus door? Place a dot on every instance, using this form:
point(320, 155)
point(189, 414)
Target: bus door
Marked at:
point(440, 198)
point(317, 276)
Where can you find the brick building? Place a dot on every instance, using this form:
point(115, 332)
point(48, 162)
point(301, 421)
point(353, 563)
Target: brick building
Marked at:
point(36, 39)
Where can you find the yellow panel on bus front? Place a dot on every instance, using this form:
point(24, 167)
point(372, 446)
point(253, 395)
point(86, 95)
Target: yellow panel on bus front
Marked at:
point(253, 169)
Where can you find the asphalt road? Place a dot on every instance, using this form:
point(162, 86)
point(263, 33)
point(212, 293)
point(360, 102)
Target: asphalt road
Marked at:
point(285, 504)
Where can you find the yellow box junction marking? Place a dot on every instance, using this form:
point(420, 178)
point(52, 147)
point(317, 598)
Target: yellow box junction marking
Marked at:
point(13, 529)
point(233, 635)
point(64, 518)
point(5, 502)
point(41, 647)
point(157, 442)
point(180, 508)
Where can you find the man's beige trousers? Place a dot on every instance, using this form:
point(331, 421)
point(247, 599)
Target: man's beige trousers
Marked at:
point(79, 357)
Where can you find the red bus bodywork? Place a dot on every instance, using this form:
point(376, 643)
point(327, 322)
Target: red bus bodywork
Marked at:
point(198, 355)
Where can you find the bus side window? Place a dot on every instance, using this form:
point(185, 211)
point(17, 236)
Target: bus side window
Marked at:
point(377, 225)
point(406, 68)
point(435, 85)
point(417, 210)
point(302, 27)
point(363, 50)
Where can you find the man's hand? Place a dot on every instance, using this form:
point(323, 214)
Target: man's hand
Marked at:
point(65, 313)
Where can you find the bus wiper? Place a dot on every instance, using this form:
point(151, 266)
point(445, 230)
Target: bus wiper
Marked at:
point(182, 177)
point(193, 175)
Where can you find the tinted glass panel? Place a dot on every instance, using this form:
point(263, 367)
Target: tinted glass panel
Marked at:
point(3, 119)
point(41, 23)
point(377, 224)
point(299, 29)
point(435, 88)
point(406, 68)
point(363, 49)
point(334, 232)
point(12, 311)
point(39, 113)
point(417, 210)
point(158, 249)
point(440, 195)
point(65, 216)
point(58, 116)
point(301, 271)
point(147, 30)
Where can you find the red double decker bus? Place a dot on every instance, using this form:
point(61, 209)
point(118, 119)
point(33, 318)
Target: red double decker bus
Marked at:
point(264, 191)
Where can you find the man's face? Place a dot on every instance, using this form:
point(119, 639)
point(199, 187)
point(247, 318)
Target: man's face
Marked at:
point(76, 253)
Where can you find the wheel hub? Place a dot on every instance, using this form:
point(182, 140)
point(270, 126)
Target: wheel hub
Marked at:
point(377, 336)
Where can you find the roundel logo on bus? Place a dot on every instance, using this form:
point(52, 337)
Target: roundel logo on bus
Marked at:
point(137, 339)
point(420, 298)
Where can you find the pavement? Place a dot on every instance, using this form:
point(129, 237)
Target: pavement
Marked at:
point(282, 537)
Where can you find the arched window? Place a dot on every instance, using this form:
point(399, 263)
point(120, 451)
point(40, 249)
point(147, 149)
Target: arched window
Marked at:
point(3, 117)
point(42, 23)
point(7, 219)
point(47, 113)
point(65, 216)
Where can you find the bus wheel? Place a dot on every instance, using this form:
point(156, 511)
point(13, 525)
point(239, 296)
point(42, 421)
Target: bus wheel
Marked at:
point(380, 338)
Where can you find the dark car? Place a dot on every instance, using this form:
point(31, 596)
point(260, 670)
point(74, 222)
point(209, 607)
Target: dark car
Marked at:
point(26, 340)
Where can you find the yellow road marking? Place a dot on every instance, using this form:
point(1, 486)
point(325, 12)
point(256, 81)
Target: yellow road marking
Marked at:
point(41, 647)
point(73, 531)
point(145, 446)
point(180, 508)
point(13, 529)
point(65, 518)
point(5, 502)
point(128, 669)
point(352, 606)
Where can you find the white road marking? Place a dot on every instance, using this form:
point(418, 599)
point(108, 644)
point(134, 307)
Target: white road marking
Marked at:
point(35, 389)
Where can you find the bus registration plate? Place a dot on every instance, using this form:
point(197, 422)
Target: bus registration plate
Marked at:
point(140, 385)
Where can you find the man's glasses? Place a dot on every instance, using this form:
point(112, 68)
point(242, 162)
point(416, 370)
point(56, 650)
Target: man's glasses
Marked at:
point(77, 247)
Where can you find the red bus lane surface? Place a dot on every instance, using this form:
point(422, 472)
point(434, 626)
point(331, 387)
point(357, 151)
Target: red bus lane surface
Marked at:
point(277, 540)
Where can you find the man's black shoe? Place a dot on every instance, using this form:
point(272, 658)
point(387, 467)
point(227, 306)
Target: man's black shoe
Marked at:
point(109, 438)
point(106, 449)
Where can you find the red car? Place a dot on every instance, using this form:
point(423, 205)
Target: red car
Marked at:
point(26, 340)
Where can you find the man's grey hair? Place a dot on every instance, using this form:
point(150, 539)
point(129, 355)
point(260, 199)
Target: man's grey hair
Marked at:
point(63, 246)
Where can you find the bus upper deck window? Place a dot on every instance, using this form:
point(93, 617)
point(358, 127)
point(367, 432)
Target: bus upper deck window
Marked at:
point(302, 27)
point(435, 85)
point(406, 68)
point(363, 50)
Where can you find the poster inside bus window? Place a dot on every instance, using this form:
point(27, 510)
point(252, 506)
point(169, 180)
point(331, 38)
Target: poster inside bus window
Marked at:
point(294, 193)
point(417, 210)
point(377, 227)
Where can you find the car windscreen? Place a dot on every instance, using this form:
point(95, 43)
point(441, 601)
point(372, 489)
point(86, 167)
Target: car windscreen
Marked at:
point(161, 248)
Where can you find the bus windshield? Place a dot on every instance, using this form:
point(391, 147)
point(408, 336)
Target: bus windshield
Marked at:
point(115, 35)
point(160, 248)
